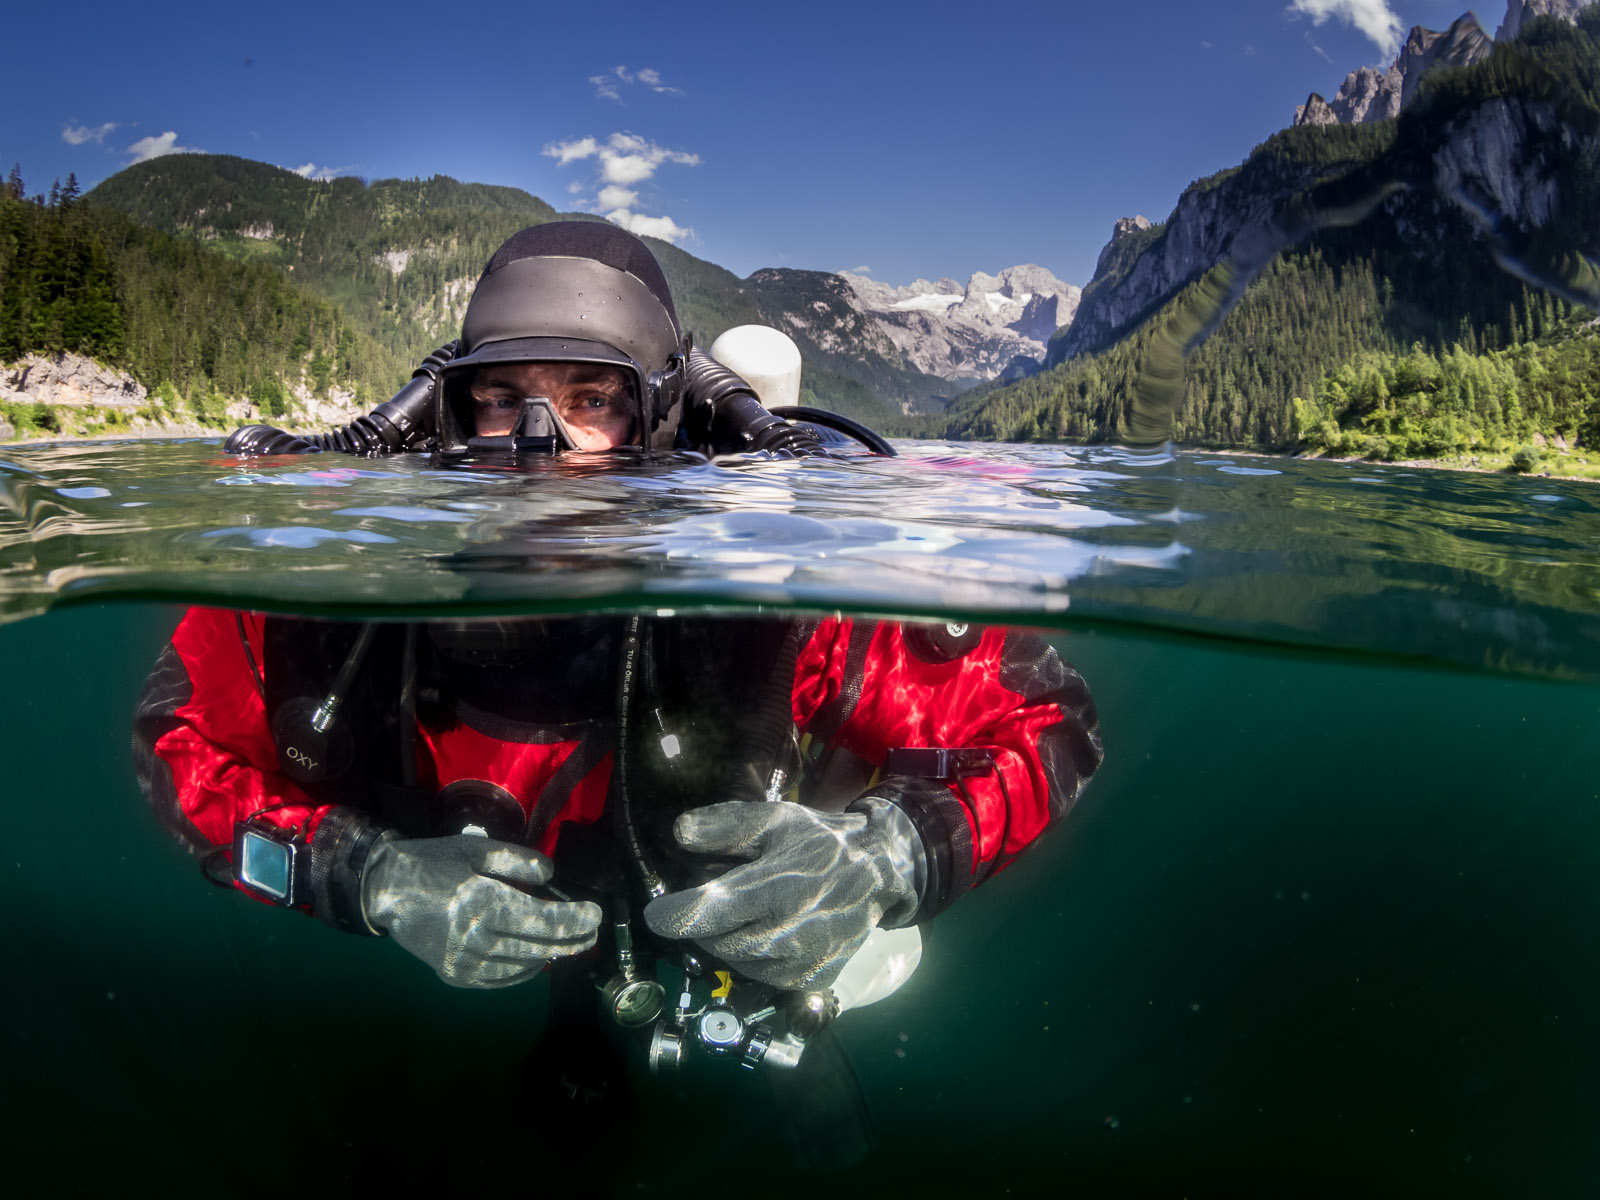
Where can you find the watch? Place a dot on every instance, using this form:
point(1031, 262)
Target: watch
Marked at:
point(272, 863)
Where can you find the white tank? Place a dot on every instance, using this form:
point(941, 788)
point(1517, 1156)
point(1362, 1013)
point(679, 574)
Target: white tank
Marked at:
point(884, 962)
point(766, 358)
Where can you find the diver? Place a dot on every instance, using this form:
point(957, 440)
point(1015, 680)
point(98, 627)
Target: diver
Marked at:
point(609, 794)
point(569, 307)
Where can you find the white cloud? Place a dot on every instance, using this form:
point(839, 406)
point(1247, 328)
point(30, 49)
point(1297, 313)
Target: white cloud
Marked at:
point(662, 227)
point(147, 148)
point(626, 168)
point(613, 196)
point(77, 135)
point(609, 86)
point(320, 174)
point(1374, 18)
point(565, 152)
point(622, 160)
point(627, 158)
point(861, 270)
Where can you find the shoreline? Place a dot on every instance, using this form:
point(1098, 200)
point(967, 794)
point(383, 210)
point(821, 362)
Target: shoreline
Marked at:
point(1425, 464)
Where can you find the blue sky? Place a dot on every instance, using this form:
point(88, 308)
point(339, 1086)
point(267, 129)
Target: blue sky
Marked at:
point(920, 139)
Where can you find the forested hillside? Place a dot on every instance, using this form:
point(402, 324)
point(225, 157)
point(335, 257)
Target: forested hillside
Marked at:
point(400, 258)
point(187, 323)
point(1402, 335)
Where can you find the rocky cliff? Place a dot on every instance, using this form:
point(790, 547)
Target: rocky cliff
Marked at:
point(1372, 95)
point(1369, 94)
point(70, 395)
point(1493, 162)
point(1143, 266)
point(69, 379)
point(973, 332)
point(1520, 12)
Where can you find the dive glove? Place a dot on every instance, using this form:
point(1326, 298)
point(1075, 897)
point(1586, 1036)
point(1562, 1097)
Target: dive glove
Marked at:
point(816, 886)
point(457, 904)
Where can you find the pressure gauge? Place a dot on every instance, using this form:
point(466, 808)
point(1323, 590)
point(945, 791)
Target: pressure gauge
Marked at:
point(634, 1002)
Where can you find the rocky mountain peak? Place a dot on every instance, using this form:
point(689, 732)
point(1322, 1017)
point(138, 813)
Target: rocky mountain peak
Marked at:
point(972, 331)
point(1463, 44)
point(1123, 227)
point(1520, 12)
point(1369, 94)
point(1315, 111)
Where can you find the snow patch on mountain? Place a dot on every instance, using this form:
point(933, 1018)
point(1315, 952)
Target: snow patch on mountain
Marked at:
point(970, 332)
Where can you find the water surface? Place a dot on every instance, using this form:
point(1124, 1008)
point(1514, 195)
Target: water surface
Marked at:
point(1474, 569)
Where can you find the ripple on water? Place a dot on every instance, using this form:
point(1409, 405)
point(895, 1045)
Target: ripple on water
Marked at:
point(1285, 552)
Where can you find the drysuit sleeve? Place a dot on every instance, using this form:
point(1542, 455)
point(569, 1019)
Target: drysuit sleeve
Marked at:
point(202, 747)
point(860, 687)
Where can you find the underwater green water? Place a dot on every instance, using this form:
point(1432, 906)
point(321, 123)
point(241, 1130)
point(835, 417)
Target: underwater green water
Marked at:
point(1323, 924)
point(1317, 927)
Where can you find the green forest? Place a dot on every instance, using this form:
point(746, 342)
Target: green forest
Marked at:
point(193, 327)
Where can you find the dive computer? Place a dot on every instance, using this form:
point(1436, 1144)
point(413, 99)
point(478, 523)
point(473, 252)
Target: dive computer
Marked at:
point(272, 863)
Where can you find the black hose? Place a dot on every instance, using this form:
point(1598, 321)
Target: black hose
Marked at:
point(395, 425)
point(723, 411)
point(628, 668)
point(869, 438)
point(772, 721)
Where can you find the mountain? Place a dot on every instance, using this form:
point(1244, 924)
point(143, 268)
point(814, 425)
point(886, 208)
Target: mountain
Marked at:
point(400, 257)
point(1368, 95)
point(1520, 12)
point(974, 332)
point(188, 330)
point(1371, 284)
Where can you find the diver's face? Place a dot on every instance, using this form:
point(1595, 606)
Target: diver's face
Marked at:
point(593, 400)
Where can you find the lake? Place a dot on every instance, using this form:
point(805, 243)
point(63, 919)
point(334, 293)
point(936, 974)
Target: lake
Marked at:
point(1322, 923)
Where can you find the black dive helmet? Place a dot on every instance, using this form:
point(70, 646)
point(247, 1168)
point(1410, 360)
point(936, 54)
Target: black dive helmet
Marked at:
point(571, 291)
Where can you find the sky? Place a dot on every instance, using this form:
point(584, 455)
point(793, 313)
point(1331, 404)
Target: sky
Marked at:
point(902, 140)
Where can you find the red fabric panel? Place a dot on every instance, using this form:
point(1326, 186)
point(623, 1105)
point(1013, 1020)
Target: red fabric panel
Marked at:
point(907, 702)
point(224, 765)
point(522, 769)
point(819, 671)
point(584, 806)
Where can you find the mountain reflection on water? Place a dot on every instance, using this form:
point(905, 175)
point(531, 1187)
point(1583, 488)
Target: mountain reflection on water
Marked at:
point(1471, 569)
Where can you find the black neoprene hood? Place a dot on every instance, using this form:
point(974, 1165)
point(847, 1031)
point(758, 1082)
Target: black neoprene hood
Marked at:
point(572, 291)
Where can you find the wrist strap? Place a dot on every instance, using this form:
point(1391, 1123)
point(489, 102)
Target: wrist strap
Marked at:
point(340, 850)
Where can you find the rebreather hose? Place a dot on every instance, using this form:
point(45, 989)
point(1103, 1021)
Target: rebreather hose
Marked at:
point(627, 675)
